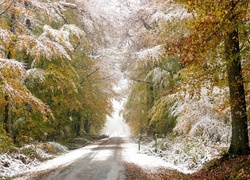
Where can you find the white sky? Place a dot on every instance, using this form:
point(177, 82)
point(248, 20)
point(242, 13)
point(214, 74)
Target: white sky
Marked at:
point(115, 125)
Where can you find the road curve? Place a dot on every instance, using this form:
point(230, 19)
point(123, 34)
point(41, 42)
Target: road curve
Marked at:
point(102, 163)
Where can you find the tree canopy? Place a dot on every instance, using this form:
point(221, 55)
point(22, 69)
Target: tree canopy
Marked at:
point(191, 55)
point(51, 87)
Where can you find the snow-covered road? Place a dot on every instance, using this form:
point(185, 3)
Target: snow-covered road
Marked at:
point(100, 161)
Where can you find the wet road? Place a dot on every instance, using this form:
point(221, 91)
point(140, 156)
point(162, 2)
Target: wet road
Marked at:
point(102, 163)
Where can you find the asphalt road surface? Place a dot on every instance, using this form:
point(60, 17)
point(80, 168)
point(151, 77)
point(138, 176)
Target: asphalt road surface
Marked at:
point(102, 163)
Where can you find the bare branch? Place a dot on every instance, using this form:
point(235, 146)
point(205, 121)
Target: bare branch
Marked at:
point(68, 5)
point(141, 81)
point(88, 75)
point(147, 26)
point(7, 8)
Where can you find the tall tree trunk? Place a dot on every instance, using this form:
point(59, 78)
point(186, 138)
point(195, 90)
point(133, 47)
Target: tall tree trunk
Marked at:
point(7, 109)
point(7, 117)
point(87, 125)
point(7, 123)
point(239, 141)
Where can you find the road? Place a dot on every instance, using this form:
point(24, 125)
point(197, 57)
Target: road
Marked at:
point(102, 163)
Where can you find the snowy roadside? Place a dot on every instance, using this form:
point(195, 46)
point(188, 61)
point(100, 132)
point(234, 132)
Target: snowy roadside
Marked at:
point(17, 164)
point(23, 159)
point(147, 159)
point(149, 163)
point(62, 160)
point(185, 154)
point(129, 154)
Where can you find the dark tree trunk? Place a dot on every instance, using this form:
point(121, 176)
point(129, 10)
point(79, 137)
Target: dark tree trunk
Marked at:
point(7, 117)
point(239, 141)
point(7, 123)
point(78, 129)
point(87, 126)
point(7, 108)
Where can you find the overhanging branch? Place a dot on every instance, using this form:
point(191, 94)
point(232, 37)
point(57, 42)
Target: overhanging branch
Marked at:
point(93, 72)
point(141, 81)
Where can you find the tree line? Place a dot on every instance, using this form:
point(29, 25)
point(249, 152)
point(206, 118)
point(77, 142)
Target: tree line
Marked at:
point(186, 57)
point(51, 87)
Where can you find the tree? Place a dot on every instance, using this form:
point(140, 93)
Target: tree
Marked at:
point(12, 71)
point(240, 139)
point(151, 24)
point(136, 109)
point(50, 85)
point(214, 21)
point(27, 40)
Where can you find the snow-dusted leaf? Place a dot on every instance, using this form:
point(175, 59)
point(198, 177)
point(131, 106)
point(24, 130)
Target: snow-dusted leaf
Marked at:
point(58, 36)
point(47, 48)
point(153, 53)
point(11, 73)
point(19, 93)
point(12, 66)
point(36, 73)
point(44, 46)
point(192, 110)
point(52, 10)
point(169, 11)
point(5, 35)
point(157, 75)
point(72, 30)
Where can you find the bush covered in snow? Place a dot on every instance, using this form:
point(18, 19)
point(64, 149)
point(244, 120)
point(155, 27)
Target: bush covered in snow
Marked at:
point(11, 165)
point(57, 148)
point(201, 134)
point(22, 159)
point(187, 153)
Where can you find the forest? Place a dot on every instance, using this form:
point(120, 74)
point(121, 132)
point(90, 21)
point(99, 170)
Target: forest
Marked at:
point(186, 64)
point(193, 69)
point(52, 87)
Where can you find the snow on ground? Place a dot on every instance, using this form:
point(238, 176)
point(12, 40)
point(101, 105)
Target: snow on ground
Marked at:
point(62, 160)
point(103, 155)
point(131, 154)
point(16, 163)
point(11, 166)
point(149, 162)
point(18, 167)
